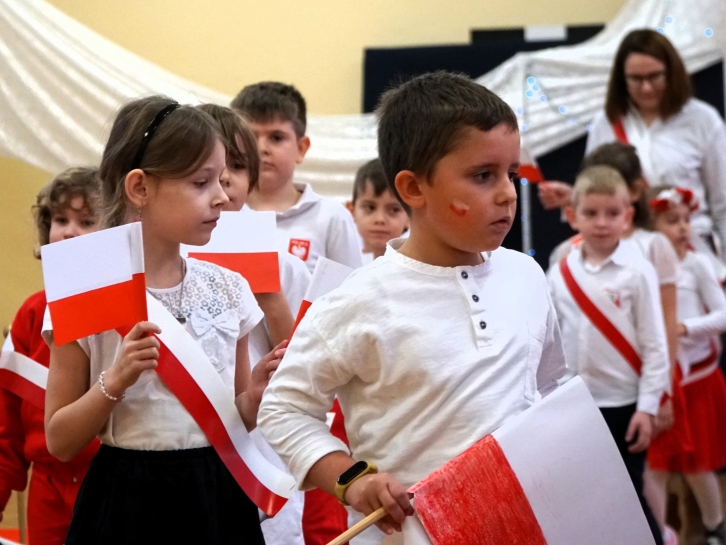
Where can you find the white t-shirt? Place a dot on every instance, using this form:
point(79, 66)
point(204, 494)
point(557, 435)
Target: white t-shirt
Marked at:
point(318, 226)
point(219, 309)
point(701, 308)
point(425, 361)
point(628, 282)
point(688, 150)
point(654, 247)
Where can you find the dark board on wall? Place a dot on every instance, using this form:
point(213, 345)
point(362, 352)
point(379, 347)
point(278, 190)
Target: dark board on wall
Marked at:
point(385, 67)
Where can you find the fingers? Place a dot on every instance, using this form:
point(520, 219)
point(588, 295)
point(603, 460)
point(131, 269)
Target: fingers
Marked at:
point(142, 329)
point(642, 435)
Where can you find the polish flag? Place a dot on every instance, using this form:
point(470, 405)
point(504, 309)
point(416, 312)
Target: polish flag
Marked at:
point(327, 276)
point(528, 167)
point(244, 242)
point(21, 375)
point(551, 475)
point(95, 283)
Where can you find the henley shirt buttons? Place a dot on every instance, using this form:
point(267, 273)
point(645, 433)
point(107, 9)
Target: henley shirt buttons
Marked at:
point(476, 298)
point(483, 324)
point(464, 275)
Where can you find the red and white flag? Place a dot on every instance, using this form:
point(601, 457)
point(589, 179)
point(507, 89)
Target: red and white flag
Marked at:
point(188, 373)
point(551, 475)
point(529, 169)
point(327, 276)
point(244, 242)
point(95, 283)
point(24, 377)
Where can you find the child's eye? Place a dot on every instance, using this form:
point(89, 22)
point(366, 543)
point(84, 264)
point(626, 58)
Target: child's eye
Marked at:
point(484, 176)
point(239, 166)
point(60, 220)
point(88, 223)
point(369, 207)
point(200, 183)
point(513, 176)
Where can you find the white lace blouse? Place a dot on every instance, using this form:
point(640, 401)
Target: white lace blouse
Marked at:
point(219, 309)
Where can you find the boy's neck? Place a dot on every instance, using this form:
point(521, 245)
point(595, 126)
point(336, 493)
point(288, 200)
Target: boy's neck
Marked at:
point(162, 263)
point(433, 251)
point(276, 198)
point(595, 256)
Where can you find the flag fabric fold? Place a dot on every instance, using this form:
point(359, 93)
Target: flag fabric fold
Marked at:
point(21, 375)
point(327, 276)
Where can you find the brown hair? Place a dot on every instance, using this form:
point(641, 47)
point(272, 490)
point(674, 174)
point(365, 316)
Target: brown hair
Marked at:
point(180, 145)
point(269, 100)
point(656, 45)
point(421, 120)
point(231, 125)
point(597, 180)
point(624, 159)
point(370, 173)
point(57, 195)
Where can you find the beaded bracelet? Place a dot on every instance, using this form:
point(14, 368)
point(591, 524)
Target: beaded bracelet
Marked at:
point(103, 390)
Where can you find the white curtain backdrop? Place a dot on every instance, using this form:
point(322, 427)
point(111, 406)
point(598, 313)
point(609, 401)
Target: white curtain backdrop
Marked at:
point(61, 83)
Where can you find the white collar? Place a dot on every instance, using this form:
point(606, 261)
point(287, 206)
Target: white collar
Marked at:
point(397, 257)
point(620, 257)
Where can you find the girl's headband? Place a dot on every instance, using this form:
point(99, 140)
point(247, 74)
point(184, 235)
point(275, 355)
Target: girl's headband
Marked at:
point(674, 197)
point(158, 118)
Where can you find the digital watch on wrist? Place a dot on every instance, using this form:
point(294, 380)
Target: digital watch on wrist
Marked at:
point(351, 475)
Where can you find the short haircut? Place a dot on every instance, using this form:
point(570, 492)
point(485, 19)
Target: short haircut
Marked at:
point(654, 44)
point(181, 144)
point(269, 100)
point(231, 124)
point(598, 180)
point(420, 121)
point(624, 159)
point(370, 173)
point(57, 195)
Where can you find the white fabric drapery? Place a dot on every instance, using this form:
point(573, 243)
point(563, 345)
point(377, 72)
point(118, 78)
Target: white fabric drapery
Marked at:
point(60, 84)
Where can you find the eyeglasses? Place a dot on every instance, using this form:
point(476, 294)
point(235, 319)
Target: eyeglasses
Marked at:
point(655, 79)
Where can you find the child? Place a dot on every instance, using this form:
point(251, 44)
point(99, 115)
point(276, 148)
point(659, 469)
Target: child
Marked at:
point(65, 208)
point(313, 226)
point(155, 478)
point(240, 177)
point(627, 371)
point(377, 213)
point(432, 346)
point(701, 318)
point(653, 246)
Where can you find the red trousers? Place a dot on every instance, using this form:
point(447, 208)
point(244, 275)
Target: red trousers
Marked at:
point(50, 506)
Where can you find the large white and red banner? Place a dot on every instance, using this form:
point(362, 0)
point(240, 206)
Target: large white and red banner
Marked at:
point(327, 276)
point(551, 475)
point(244, 242)
point(95, 283)
point(24, 377)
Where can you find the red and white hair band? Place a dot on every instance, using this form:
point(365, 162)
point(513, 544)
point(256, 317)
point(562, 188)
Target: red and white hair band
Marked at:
point(673, 197)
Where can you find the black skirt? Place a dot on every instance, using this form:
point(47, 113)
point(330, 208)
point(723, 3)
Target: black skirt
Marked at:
point(181, 496)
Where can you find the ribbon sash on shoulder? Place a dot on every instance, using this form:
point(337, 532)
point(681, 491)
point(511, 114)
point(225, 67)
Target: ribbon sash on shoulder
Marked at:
point(24, 377)
point(188, 373)
point(599, 319)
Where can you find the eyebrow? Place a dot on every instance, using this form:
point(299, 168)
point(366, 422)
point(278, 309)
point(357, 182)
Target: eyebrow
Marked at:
point(488, 166)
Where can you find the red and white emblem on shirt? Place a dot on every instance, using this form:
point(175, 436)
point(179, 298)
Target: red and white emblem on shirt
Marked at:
point(299, 248)
point(614, 296)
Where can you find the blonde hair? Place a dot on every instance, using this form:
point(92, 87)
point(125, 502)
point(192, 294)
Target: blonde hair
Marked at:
point(598, 180)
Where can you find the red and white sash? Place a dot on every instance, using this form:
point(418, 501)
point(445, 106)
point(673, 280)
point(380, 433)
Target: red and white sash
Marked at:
point(622, 136)
point(188, 373)
point(602, 313)
point(21, 375)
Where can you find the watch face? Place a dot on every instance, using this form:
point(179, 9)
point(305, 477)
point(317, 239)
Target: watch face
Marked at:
point(350, 474)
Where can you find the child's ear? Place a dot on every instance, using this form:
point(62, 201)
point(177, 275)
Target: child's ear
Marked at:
point(349, 206)
point(570, 216)
point(408, 186)
point(303, 145)
point(137, 187)
point(629, 214)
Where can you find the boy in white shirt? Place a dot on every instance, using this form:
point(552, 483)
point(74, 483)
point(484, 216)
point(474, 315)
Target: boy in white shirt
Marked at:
point(608, 305)
point(312, 225)
point(432, 346)
point(376, 211)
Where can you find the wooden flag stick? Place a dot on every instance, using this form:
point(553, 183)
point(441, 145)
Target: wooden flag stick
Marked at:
point(367, 522)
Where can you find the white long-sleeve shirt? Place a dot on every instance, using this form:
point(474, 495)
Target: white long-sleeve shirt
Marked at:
point(687, 150)
point(701, 307)
point(425, 361)
point(318, 226)
point(625, 288)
